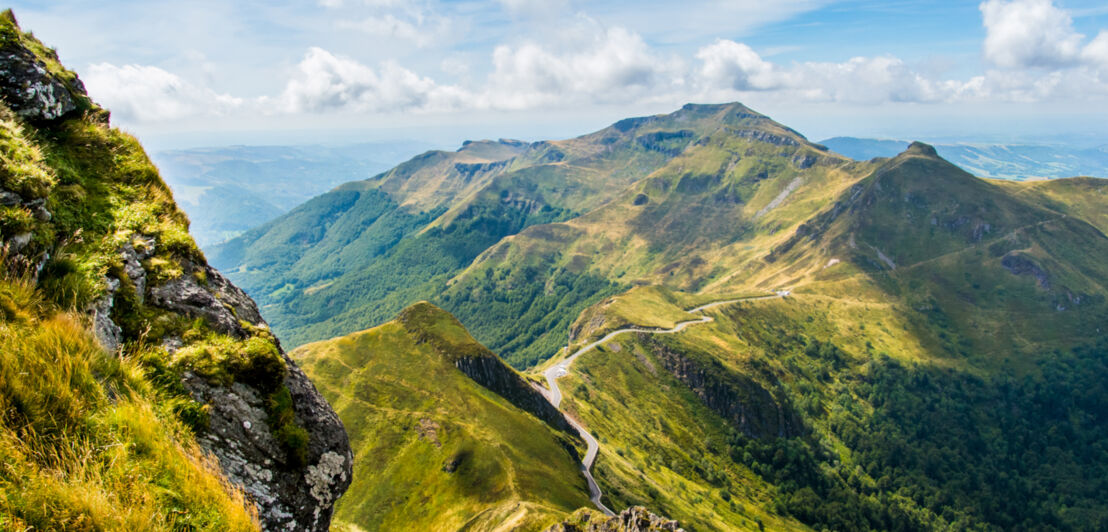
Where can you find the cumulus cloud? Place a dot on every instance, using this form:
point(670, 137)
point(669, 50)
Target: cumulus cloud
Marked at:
point(1032, 49)
point(149, 94)
point(613, 65)
point(728, 66)
point(325, 82)
point(1029, 33)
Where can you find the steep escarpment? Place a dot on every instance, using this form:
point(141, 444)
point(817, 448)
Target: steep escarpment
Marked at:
point(442, 331)
point(738, 398)
point(87, 223)
point(440, 442)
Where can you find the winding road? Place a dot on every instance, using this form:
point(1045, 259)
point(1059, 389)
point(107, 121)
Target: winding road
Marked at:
point(561, 369)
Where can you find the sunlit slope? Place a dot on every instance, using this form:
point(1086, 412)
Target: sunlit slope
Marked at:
point(435, 450)
point(712, 209)
point(904, 425)
point(357, 255)
point(1002, 266)
point(942, 332)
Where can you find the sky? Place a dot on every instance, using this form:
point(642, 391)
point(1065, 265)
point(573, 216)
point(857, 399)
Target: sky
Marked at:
point(213, 72)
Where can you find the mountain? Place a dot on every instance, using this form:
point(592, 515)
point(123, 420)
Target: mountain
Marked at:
point(757, 331)
point(1001, 161)
point(361, 253)
point(140, 388)
point(939, 330)
point(445, 435)
point(228, 190)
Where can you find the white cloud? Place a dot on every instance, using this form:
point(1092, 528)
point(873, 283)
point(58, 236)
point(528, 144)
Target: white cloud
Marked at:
point(1096, 52)
point(1029, 33)
point(610, 65)
point(325, 82)
point(149, 94)
point(1035, 53)
point(729, 68)
point(731, 65)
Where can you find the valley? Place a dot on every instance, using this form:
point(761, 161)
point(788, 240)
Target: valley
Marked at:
point(561, 369)
point(696, 320)
point(653, 313)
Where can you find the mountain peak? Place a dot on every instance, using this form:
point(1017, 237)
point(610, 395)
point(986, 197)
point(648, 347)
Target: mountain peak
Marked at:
point(921, 149)
point(432, 324)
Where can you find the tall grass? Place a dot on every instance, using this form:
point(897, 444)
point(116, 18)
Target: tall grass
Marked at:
point(86, 443)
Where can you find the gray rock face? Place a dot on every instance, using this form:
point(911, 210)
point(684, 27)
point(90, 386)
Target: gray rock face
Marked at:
point(218, 301)
point(30, 90)
point(107, 332)
point(288, 496)
point(633, 519)
point(739, 399)
point(490, 372)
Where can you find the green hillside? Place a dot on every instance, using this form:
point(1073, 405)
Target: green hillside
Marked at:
point(121, 349)
point(932, 361)
point(943, 347)
point(436, 450)
point(359, 254)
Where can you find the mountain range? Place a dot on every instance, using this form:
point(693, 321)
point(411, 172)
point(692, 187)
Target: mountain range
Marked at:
point(890, 335)
point(698, 321)
point(1000, 161)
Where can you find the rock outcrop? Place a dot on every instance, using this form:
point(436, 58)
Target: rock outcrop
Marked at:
point(480, 364)
point(29, 88)
point(291, 491)
point(289, 495)
point(741, 400)
point(634, 519)
point(492, 373)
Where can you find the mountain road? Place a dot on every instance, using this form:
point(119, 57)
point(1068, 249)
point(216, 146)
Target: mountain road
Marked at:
point(553, 393)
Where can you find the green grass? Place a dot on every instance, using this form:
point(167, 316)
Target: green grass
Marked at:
point(660, 446)
point(111, 441)
point(644, 306)
point(433, 449)
point(88, 442)
point(22, 170)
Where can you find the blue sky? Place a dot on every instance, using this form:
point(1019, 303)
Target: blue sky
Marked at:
point(213, 72)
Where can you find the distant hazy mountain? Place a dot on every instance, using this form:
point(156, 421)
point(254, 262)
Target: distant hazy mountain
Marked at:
point(227, 190)
point(1003, 161)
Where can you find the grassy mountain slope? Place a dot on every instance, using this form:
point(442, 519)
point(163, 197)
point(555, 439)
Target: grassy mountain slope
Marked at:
point(434, 449)
point(1000, 269)
point(112, 329)
point(944, 348)
point(697, 219)
point(902, 432)
point(361, 253)
point(937, 366)
point(88, 441)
